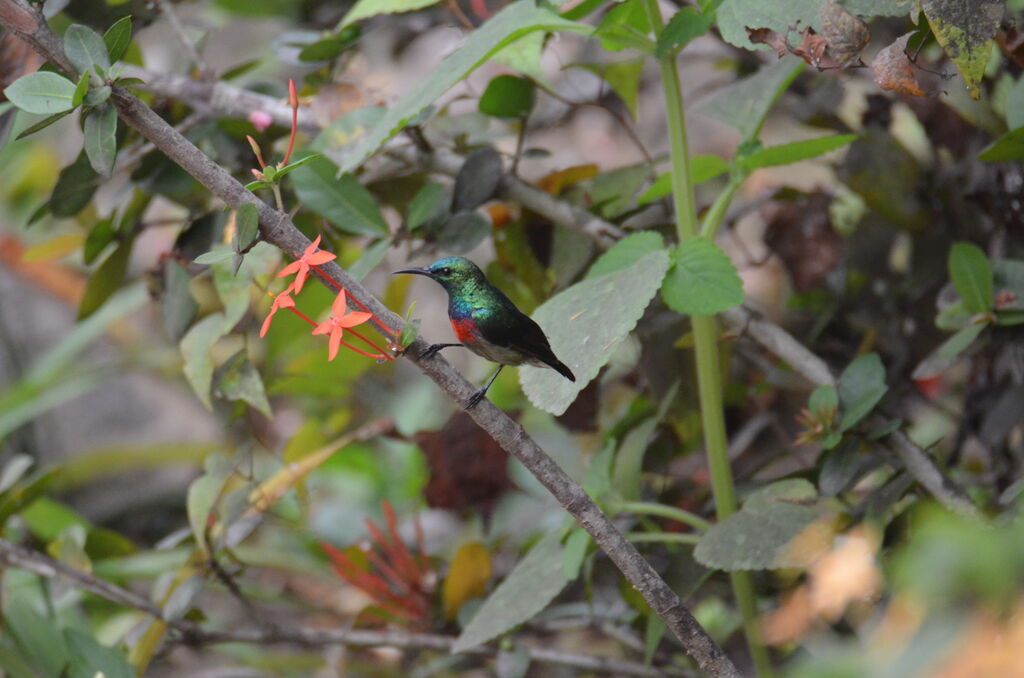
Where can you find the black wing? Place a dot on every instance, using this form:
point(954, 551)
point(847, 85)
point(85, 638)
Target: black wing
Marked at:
point(511, 328)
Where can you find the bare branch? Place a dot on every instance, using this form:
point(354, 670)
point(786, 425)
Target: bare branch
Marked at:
point(278, 229)
point(32, 561)
point(228, 100)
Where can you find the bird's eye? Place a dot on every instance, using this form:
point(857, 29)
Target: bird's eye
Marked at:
point(445, 271)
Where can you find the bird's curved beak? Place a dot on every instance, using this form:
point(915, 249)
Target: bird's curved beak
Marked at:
point(414, 271)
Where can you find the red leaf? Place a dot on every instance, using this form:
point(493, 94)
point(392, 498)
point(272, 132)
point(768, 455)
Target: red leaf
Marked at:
point(892, 69)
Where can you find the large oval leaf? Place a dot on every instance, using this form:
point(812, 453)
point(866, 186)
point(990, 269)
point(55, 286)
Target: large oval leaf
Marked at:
point(42, 92)
point(586, 323)
point(342, 201)
point(702, 281)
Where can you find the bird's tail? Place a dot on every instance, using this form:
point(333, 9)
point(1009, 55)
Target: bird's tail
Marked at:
point(558, 366)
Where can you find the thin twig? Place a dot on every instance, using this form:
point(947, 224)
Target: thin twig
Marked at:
point(167, 9)
point(277, 229)
point(32, 561)
point(916, 460)
point(231, 101)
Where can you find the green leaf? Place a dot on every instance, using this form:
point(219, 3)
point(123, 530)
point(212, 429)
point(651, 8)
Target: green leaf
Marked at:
point(794, 152)
point(247, 227)
point(586, 323)
point(532, 584)
point(745, 104)
point(98, 96)
point(215, 256)
point(42, 92)
point(106, 280)
point(626, 26)
point(1008, 147)
point(367, 8)
point(684, 26)
point(965, 31)
point(38, 637)
point(332, 46)
point(238, 379)
point(507, 96)
point(972, 277)
point(622, 76)
point(195, 349)
point(85, 49)
point(118, 37)
point(861, 386)
point(90, 659)
point(427, 207)
point(370, 259)
point(478, 179)
point(510, 24)
point(1008, 276)
point(26, 492)
point(629, 459)
point(177, 307)
point(101, 139)
point(776, 527)
point(844, 466)
point(824, 399)
point(702, 280)
point(203, 494)
point(702, 168)
point(44, 123)
point(75, 187)
point(734, 15)
point(343, 202)
point(463, 231)
point(576, 545)
point(625, 253)
point(81, 89)
point(942, 358)
point(292, 166)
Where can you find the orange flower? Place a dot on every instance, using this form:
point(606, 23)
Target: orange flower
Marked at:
point(311, 257)
point(336, 324)
point(282, 300)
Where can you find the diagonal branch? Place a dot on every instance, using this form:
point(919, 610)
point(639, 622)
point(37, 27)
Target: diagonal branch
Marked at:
point(278, 229)
point(32, 561)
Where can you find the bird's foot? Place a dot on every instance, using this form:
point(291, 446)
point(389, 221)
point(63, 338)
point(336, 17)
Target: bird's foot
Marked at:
point(431, 351)
point(475, 399)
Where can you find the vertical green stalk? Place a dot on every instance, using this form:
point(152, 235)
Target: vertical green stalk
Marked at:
point(705, 334)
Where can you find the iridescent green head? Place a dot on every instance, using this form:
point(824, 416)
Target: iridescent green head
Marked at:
point(455, 274)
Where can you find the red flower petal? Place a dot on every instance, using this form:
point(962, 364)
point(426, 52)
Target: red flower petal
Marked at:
point(266, 322)
point(339, 305)
point(335, 343)
point(324, 327)
point(321, 257)
point(353, 319)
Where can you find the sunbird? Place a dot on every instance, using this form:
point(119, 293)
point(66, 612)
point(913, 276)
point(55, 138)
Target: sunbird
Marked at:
point(487, 322)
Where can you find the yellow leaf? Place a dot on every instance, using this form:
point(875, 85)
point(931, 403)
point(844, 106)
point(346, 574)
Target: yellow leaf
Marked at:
point(60, 246)
point(267, 493)
point(467, 578)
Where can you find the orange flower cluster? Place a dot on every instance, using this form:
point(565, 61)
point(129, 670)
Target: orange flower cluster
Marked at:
point(339, 321)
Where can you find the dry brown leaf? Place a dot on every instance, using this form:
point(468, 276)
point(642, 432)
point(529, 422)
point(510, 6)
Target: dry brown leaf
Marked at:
point(790, 621)
point(812, 50)
point(989, 648)
point(847, 35)
point(845, 574)
point(892, 70)
point(766, 36)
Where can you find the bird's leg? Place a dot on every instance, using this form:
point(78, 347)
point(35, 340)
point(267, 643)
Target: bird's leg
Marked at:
point(434, 348)
point(478, 395)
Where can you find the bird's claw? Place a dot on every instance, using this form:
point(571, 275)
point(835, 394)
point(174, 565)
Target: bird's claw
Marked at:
point(475, 399)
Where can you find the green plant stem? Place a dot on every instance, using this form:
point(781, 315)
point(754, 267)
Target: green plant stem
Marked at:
point(671, 512)
point(705, 333)
point(713, 219)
